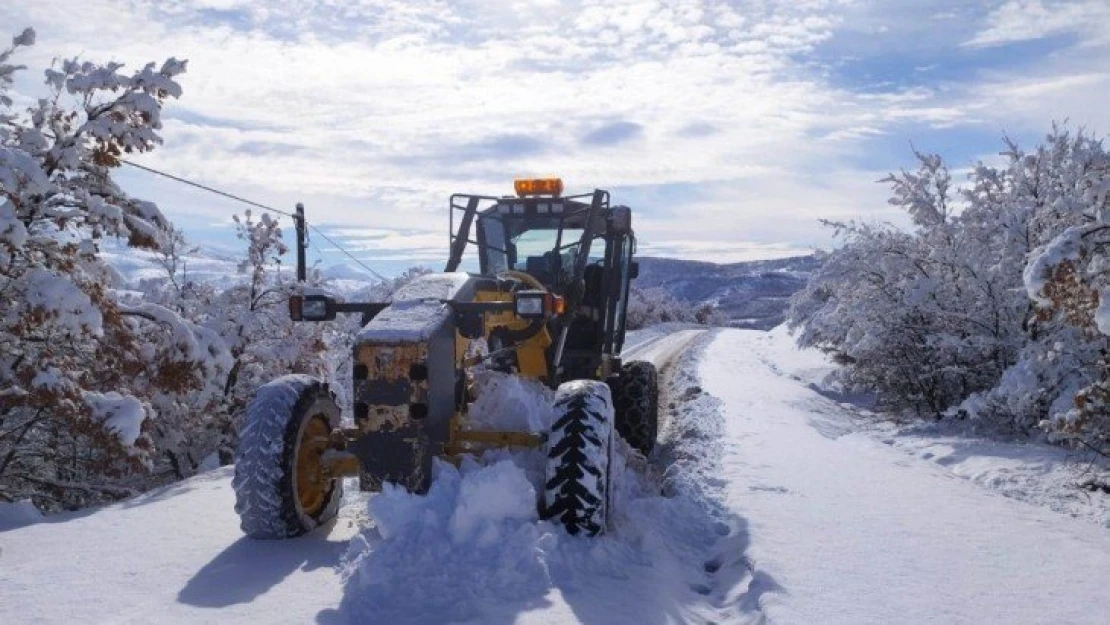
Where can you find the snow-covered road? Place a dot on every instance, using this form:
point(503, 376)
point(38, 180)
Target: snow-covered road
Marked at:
point(843, 528)
point(174, 555)
point(661, 349)
point(776, 508)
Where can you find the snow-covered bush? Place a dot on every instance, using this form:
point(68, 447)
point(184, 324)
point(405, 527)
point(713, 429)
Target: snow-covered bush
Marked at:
point(82, 372)
point(650, 306)
point(1069, 279)
point(924, 318)
point(251, 318)
point(940, 319)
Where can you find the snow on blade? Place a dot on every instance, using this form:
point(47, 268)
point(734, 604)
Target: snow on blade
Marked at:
point(471, 541)
point(509, 402)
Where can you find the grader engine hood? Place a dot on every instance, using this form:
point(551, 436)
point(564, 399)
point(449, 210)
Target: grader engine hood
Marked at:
point(405, 386)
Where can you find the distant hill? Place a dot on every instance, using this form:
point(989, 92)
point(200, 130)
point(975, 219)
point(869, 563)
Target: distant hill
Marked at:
point(753, 294)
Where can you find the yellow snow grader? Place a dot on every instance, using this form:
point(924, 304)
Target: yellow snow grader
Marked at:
point(548, 303)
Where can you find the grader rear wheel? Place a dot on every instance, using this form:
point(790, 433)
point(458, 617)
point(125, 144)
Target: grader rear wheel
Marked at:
point(636, 401)
point(281, 486)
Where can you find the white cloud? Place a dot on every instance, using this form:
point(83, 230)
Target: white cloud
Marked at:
point(1024, 20)
point(373, 111)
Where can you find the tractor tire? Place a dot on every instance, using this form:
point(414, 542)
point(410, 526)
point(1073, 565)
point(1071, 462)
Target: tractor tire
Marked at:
point(636, 401)
point(279, 489)
point(579, 448)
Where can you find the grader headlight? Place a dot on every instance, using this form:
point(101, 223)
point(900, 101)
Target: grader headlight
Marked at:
point(538, 304)
point(529, 304)
point(315, 307)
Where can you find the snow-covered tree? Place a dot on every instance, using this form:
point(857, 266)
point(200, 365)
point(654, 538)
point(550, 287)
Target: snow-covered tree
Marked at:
point(925, 317)
point(938, 319)
point(251, 318)
point(254, 318)
point(81, 371)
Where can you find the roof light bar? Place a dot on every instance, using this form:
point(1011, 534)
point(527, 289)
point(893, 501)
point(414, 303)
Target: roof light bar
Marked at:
point(538, 186)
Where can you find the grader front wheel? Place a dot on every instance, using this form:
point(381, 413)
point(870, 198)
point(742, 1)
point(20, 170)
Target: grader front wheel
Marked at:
point(313, 482)
point(577, 490)
point(282, 487)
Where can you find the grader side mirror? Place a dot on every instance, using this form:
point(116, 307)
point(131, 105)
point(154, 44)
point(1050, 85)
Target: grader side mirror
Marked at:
point(311, 308)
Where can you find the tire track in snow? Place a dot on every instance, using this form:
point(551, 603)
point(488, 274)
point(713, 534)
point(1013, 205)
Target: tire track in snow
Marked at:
point(691, 447)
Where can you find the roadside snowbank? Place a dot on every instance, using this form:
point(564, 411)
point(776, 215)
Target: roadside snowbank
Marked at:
point(1041, 474)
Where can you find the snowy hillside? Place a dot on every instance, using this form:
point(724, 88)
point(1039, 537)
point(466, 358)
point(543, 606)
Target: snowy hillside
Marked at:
point(217, 268)
point(752, 294)
point(767, 501)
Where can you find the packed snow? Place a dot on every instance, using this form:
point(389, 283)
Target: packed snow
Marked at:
point(768, 499)
point(510, 402)
point(418, 309)
point(846, 529)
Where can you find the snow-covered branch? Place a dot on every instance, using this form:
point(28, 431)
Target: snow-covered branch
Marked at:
point(940, 320)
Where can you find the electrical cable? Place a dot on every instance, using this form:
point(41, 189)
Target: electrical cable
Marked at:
point(255, 204)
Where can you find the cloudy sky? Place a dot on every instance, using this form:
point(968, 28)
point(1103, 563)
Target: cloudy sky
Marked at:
point(730, 127)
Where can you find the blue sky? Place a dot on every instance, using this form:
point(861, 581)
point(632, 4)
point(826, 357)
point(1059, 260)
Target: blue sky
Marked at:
point(731, 127)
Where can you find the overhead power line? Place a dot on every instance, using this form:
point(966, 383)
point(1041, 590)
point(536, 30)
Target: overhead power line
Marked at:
point(206, 188)
point(231, 196)
point(348, 254)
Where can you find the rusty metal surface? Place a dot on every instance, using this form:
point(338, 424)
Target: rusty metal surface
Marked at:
point(471, 441)
point(339, 464)
point(387, 390)
point(399, 456)
point(393, 446)
point(410, 400)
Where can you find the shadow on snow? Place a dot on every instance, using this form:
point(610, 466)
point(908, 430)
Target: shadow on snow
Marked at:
point(249, 568)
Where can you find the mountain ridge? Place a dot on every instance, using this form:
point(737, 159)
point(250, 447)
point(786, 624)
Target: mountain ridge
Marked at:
point(752, 294)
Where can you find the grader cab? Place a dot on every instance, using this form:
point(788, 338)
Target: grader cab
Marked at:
point(548, 303)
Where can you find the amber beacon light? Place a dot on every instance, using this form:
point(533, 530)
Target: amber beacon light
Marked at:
point(538, 186)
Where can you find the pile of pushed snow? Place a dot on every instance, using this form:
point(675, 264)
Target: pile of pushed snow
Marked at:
point(475, 537)
point(511, 403)
point(473, 540)
point(474, 549)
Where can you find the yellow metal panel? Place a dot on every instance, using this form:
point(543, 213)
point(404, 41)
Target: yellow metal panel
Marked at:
point(531, 354)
